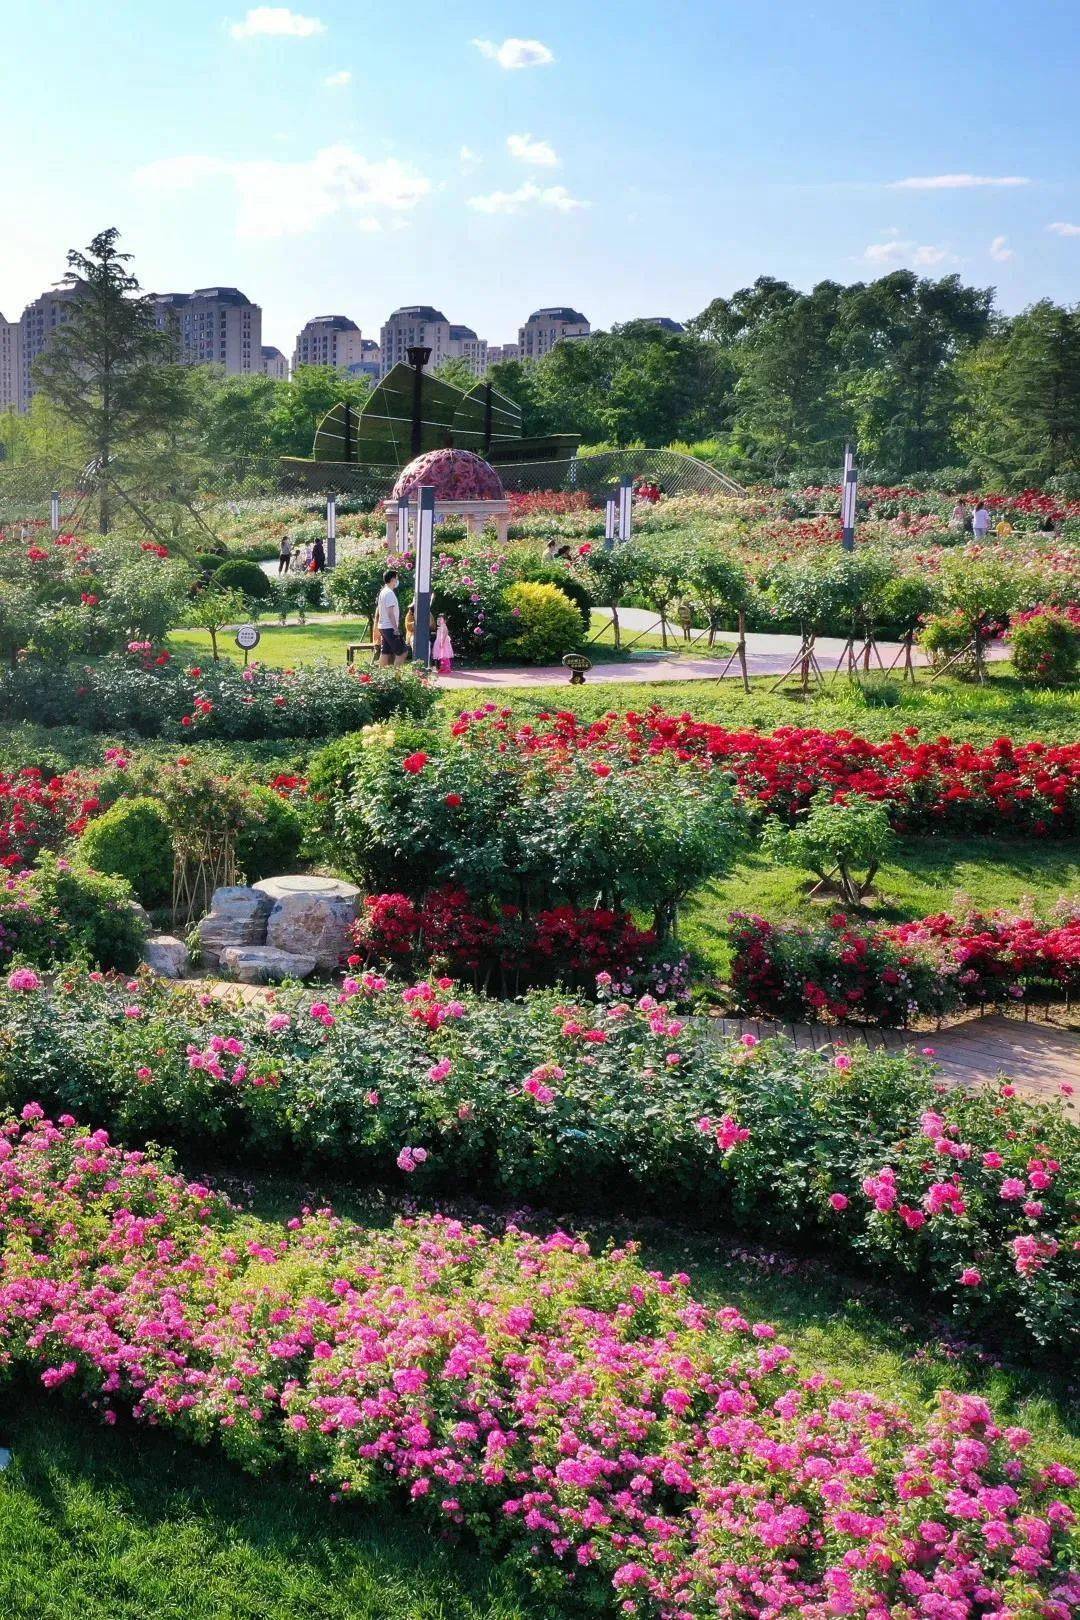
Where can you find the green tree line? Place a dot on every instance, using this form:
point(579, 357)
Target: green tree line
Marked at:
point(923, 374)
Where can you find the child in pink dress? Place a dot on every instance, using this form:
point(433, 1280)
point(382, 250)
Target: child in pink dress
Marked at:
point(443, 649)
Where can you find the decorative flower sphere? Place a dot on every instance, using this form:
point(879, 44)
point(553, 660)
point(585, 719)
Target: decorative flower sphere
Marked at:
point(456, 475)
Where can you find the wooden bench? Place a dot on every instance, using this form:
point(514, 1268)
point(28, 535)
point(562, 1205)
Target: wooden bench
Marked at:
point(369, 646)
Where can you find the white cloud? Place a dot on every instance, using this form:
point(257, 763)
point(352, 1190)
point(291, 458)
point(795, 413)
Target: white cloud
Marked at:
point(1061, 227)
point(277, 198)
point(956, 182)
point(276, 21)
point(516, 53)
point(337, 81)
point(541, 154)
point(1000, 250)
point(527, 196)
point(469, 159)
point(895, 251)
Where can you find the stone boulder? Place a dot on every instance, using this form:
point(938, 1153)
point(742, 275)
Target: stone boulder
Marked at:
point(310, 917)
point(262, 964)
point(237, 916)
point(165, 954)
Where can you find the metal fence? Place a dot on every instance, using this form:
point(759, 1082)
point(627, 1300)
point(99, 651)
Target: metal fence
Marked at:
point(26, 488)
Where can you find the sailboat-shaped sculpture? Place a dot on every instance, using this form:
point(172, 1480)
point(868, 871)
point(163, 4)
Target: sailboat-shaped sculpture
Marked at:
point(411, 412)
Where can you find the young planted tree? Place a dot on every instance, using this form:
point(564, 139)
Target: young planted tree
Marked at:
point(107, 368)
point(842, 842)
point(213, 609)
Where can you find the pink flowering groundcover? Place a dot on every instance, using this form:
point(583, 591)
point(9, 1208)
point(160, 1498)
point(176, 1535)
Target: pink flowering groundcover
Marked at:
point(670, 1460)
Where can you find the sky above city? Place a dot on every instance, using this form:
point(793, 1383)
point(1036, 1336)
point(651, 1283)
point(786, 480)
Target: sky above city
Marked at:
point(629, 160)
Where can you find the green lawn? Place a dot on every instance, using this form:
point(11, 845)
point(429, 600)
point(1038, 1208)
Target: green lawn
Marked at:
point(120, 1524)
point(925, 875)
point(282, 646)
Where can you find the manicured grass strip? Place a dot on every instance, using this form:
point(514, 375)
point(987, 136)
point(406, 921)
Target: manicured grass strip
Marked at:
point(1002, 708)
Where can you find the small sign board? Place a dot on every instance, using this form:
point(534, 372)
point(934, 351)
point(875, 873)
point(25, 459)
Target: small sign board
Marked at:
point(577, 664)
point(248, 636)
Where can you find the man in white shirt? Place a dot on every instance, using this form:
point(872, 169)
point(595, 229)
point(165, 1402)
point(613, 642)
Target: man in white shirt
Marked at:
point(980, 521)
point(388, 622)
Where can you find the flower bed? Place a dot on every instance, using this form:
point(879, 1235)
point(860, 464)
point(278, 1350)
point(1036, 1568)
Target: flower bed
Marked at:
point(582, 1411)
point(932, 784)
point(567, 945)
point(542, 1100)
point(135, 692)
point(887, 974)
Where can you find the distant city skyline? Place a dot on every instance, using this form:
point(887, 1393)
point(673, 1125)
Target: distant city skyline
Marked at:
point(325, 157)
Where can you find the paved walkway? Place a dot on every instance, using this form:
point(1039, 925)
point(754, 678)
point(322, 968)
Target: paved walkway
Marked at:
point(766, 654)
point(1039, 1057)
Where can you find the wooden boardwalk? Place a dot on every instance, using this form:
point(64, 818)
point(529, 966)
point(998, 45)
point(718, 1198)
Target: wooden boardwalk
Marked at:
point(1039, 1057)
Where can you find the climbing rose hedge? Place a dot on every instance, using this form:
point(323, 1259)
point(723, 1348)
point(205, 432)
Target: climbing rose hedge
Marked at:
point(618, 1106)
point(591, 1415)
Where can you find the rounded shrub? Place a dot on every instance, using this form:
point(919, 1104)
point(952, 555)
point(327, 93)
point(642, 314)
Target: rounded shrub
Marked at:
point(570, 586)
point(208, 562)
point(239, 574)
point(132, 840)
point(548, 623)
point(1045, 649)
point(268, 843)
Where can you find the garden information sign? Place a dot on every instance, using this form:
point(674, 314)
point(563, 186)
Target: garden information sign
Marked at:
point(247, 637)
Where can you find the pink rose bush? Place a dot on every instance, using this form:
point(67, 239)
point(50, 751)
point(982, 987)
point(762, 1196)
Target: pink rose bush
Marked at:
point(664, 1456)
point(612, 1104)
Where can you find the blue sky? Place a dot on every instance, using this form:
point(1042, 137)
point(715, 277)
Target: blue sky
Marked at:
point(631, 159)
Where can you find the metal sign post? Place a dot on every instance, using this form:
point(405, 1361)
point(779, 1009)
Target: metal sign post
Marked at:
point(610, 521)
point(626, 508)
point(54, 511)
point(331, 530)
point(425, 534)
point(403, 523)
point(848, 494)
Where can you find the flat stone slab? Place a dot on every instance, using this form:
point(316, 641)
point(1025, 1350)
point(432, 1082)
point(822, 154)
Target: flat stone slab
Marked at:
point(263, 964)
point(304, 884)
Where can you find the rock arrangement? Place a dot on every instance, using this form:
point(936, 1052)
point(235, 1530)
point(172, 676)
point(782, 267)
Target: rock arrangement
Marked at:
point(282, 928)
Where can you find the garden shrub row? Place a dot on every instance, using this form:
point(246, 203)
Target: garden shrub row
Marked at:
point(572, 1410)
point(618, 1106)
point(133, 692)
point(873, 972)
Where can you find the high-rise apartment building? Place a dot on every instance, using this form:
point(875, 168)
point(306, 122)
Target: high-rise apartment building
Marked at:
point(274, 363)
point(546, 327)
point(463, 344)
point(10, 349)
point(39, 321)
point(329, 340)
point(213, 326)
point(415, 325)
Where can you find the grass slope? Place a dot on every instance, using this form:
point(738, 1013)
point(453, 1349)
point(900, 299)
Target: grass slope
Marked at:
point(925, 875)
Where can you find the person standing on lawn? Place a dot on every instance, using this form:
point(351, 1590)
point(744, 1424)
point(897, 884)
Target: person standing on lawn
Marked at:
point(388, 622)
point(284, 556)
point(318, 556)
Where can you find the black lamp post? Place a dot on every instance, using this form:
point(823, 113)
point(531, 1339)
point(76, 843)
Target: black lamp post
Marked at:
point(418, 359)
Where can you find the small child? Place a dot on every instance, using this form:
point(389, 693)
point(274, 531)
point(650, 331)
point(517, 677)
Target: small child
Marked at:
point(443, 650)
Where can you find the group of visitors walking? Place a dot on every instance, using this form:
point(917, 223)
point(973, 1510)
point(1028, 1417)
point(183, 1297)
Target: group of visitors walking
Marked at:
point(310, 560)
